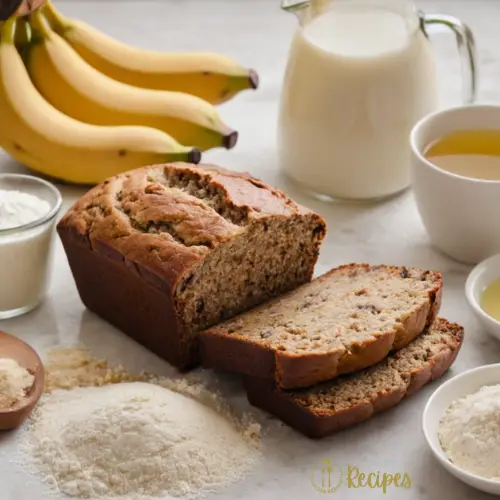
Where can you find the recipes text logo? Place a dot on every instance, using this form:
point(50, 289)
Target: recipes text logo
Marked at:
point(328, 477)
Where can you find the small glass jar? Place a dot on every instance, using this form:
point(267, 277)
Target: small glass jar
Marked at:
point(26, 250)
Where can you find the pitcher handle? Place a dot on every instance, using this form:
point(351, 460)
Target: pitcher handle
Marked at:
point(466, 48)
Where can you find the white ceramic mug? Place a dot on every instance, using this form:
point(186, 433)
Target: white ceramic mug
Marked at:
point(461, 214)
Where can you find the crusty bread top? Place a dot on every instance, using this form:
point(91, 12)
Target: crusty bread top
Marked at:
point(344, 307)
point(394, 374)
point(168, 217)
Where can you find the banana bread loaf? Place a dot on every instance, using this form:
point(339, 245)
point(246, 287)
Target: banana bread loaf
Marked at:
point(351, 399)
point(345, 320)
point(164, 251)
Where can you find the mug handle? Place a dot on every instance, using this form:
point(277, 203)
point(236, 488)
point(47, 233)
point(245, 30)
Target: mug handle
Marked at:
point(466, 49)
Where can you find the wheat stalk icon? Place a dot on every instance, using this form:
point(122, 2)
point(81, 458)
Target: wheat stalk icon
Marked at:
point(326, 469)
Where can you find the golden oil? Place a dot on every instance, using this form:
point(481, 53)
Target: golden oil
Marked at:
point(469, 153)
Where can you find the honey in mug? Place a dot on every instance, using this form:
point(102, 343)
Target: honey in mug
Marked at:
point(468, 153)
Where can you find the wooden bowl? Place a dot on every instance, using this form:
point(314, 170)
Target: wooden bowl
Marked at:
point(26, 356)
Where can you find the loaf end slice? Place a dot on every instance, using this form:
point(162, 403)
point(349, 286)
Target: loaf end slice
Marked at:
point(351, 399)
point(346, 320)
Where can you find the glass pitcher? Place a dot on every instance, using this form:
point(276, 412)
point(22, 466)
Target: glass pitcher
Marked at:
point(360, 74)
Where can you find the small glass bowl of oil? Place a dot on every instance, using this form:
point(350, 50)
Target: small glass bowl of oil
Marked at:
point(482, 290)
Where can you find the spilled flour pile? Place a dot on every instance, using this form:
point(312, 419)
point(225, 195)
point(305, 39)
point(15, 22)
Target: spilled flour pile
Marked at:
point(137, 440)
point(70, 367)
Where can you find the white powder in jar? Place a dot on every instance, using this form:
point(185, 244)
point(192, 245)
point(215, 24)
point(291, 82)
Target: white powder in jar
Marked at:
point(24, 253)
point(18, 209)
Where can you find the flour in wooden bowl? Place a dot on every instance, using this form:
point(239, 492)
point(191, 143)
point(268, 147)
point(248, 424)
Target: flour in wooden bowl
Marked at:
point(15, 381)
point(137, 440)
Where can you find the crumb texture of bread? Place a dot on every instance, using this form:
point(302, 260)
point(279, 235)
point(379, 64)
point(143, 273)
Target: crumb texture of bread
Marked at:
point(345, 320)
point(394, 372)
point(213, 242)
point(351, 399)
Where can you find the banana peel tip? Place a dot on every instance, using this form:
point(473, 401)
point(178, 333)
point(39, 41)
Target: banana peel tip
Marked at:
point(230, 140)
point(194, 156)
point(253, 79)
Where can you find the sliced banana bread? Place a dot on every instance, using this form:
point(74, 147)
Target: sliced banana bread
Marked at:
point(351, 399)
point(164, 251)
point(345, 320)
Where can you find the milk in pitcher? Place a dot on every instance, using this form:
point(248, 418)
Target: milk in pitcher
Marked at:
point(357, 80)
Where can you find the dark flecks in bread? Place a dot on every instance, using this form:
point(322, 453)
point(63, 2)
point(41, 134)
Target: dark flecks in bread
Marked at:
point(345, 320)
point(351, 399)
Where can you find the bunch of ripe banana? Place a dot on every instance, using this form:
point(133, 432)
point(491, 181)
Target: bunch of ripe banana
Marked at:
point(80, 106)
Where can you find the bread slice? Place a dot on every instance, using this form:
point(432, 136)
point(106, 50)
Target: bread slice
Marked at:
point(351, 399)
point(346, 320)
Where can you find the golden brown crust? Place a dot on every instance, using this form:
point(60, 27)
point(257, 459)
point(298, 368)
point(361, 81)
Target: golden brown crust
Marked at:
point(319, 422)
point(291, 370)
point(143, 217)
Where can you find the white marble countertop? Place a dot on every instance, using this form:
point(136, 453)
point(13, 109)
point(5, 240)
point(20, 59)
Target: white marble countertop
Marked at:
point(256, 33)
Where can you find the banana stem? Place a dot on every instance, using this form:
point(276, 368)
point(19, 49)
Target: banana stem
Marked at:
point(39, 25)
point(9, 32)
point(23, 33)
point(56, 20)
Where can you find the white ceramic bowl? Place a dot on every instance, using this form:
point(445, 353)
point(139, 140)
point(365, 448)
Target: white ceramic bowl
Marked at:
point(480, 277)
point(455, 388)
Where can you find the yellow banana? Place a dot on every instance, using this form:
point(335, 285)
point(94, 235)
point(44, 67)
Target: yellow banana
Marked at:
point(213, 77)
point(77, 89)
point(48, 141)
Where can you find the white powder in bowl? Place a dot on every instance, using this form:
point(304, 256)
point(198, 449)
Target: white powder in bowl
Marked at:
point(469, 432)
point(136, 440)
